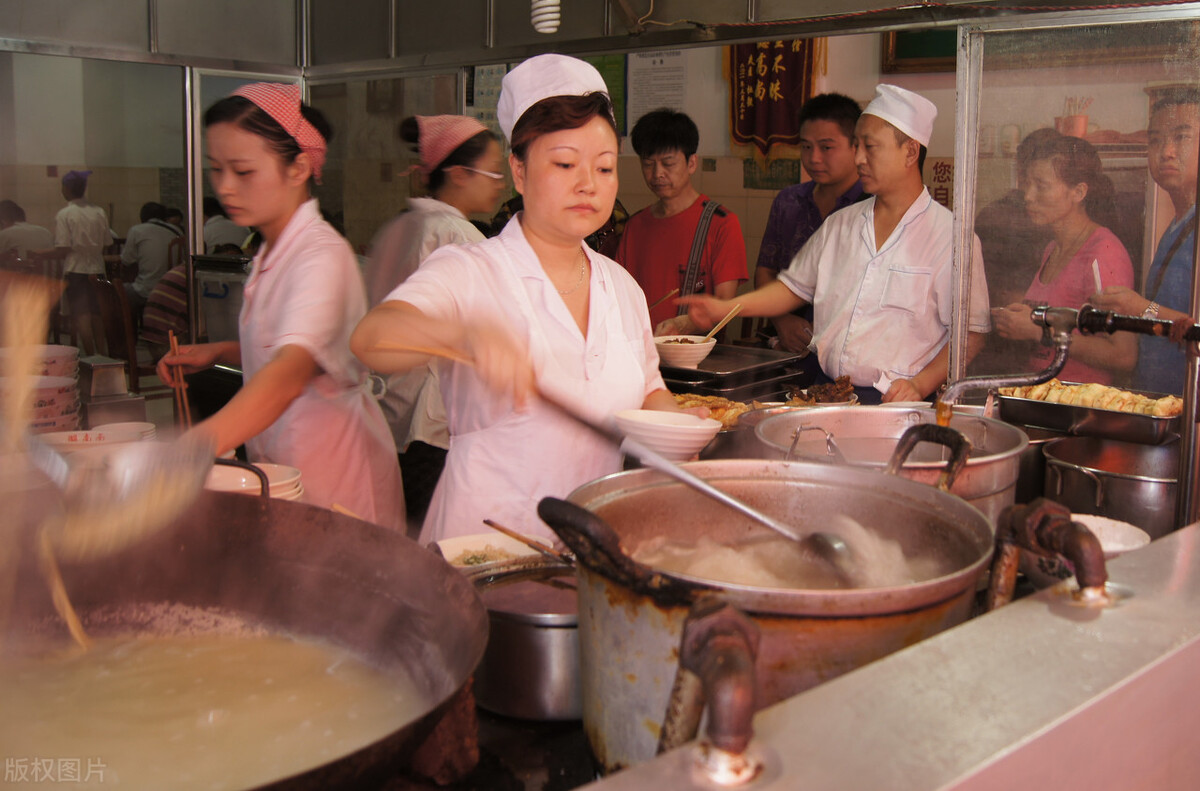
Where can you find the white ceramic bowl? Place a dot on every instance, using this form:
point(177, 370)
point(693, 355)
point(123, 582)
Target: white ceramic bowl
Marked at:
point(51, 360)
point(55, 411)
point(146, 430)
point(70, 441)
point(1116, 538)
point(453, 549)
point(683, 355)
point(281, 479)
point(50, 390)
point(676, 435)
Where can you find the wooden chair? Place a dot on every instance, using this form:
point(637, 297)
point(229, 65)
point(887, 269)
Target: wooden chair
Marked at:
point(120, 335)
point(62, 328)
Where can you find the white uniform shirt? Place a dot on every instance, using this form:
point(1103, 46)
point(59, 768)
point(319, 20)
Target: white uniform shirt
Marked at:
point(413, 402)
point(306, 291)
point(221, 230)
point(147, 245)
point(83, 227)
point(503, 462)
point(882, 312)
point(23, 237)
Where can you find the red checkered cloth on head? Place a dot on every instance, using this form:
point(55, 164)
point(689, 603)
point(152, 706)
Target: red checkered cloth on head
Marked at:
point(282, 102)
point(440, 135)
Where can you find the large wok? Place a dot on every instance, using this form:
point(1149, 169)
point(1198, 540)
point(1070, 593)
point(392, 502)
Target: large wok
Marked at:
point(298, 569)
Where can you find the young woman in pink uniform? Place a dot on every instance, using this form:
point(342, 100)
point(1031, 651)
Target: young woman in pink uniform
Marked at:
point(304, 400)
point(1069, 195)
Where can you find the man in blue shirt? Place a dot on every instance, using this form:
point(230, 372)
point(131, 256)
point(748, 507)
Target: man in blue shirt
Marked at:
point(827, 154)
point(1173, 136)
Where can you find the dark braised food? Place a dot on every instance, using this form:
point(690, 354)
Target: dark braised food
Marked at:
point(835, 392)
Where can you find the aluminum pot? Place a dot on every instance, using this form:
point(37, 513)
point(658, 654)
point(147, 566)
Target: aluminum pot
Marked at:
point(1128, 481)
point(301, 570)
point(530, 669)
point(867, 435)
point(629, 633)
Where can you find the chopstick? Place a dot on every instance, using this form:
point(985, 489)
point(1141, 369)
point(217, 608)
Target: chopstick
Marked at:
point(664, 298)
point(180, 386)
point(1096, 275)
point(728, 318)
point(532, 543)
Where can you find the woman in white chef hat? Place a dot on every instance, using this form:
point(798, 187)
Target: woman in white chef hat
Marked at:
point(533, 309)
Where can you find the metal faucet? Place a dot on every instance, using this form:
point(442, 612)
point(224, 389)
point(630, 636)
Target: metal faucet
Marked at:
point(1057, 324)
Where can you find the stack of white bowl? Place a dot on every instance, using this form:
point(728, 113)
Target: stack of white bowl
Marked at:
point(145, 430)
point(674, 435)
point(284, 481)
point(76, 441)
point(56, 387)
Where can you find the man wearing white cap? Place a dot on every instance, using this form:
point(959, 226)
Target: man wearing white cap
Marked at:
point(878, 273)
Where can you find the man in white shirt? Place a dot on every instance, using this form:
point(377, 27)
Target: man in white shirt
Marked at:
point(219, 229)
point(147, 248)
point(81, 233)
point(16, 234)
point(878, 273)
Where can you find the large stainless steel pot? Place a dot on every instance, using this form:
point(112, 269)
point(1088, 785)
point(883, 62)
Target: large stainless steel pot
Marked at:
point(530, 669)
point(867, 435)
point(1128, 481)
point(298, 569)
point(629, 636)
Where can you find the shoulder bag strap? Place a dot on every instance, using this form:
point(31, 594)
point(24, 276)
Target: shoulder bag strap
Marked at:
point(1185, 232)
point(693, 267)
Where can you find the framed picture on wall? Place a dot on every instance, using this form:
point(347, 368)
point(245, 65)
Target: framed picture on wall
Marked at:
point(909, 51)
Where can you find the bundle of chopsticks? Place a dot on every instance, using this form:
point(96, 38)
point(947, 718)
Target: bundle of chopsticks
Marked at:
point(1077, 105)
point(179, 385)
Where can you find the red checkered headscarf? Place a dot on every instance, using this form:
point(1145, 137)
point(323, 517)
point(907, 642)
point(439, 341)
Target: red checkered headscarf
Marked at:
point(282, 102)
point(440, 135)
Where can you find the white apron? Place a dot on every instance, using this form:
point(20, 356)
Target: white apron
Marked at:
point(500, 472)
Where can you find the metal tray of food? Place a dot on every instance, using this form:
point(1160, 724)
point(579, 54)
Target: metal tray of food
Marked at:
point(767, 388)
point(733, 365)
point(1089, 421)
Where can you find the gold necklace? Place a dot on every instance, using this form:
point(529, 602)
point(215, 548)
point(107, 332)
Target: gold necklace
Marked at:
point(1076, 243)
point(582, 275)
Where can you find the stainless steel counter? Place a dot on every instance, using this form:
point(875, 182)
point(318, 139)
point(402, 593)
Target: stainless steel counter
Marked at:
point(1041, 694)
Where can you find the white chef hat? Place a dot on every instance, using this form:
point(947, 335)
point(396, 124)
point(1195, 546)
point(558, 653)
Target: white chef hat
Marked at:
point(540, 78)
point(909, 112)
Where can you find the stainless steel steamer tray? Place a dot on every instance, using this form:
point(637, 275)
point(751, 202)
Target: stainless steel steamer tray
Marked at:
point(1089, 421)
point(733, 365)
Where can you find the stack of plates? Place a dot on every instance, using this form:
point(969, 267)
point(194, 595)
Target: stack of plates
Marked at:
point(674, 435)
point(50, 360)
point(284, 481)
point(145, 430)
point(55, 403)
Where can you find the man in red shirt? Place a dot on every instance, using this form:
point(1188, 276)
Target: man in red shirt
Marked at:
point(658, 241)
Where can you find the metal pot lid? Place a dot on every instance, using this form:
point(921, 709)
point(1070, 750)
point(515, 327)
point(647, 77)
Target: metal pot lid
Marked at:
point(542, 593)
point(867, 435)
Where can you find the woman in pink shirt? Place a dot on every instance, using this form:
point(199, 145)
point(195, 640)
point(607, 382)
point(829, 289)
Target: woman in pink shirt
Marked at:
point(304, 401)
point(1069, 195)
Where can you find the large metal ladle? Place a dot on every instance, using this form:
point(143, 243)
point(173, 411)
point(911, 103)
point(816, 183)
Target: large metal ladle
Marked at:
point(828, 547)
point(134, 492)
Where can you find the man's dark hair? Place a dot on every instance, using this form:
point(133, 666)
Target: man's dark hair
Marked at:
point(213, 208)
point(664, 130)
point(836, 107)
point(1175, 96)
point(153, 211)
point(10, 212)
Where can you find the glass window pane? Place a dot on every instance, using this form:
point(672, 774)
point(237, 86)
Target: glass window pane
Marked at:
point(1066, 201)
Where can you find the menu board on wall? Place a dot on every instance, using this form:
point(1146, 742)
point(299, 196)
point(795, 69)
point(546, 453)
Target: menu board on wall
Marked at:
point(483, 91)
point(612, 69)
point(656, 79)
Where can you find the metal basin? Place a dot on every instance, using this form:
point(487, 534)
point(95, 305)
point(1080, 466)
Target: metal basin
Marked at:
point(629, 640)
point(867, 435)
